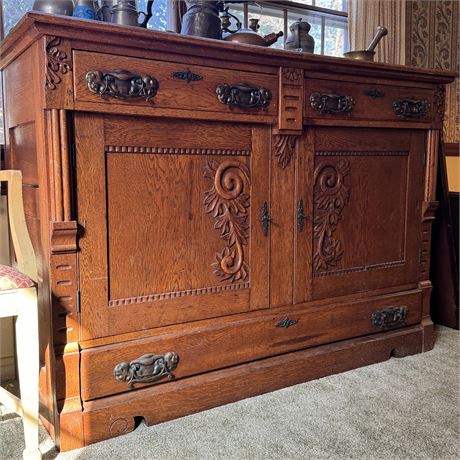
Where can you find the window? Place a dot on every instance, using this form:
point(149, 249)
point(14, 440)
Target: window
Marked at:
point(328, 20)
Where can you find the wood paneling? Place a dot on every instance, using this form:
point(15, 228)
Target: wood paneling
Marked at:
point(357, 179)
point(186, 208)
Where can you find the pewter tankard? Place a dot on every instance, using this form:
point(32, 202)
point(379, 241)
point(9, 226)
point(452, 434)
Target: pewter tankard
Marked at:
point(53, 7)
point(104, 13)
point(202, 18)
point(125, 12)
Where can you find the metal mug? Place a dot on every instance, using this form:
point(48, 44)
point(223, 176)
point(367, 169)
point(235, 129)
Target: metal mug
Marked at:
point(125, 12)
point(104, 12)
point(64, 7)
point(85, 9)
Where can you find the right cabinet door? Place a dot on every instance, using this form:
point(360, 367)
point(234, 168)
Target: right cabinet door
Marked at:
point(358, 199)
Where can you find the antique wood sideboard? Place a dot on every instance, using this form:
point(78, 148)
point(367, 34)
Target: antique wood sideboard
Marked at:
point(214, 221)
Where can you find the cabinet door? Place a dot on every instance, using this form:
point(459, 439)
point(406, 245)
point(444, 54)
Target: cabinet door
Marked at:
point(360, 191)
point(171, 215)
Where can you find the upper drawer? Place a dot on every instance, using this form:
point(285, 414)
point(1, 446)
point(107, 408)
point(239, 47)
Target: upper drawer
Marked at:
point(342, 100)
point(151, 85)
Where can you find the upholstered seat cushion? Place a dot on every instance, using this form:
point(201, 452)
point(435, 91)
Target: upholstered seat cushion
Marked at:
point(10, 278)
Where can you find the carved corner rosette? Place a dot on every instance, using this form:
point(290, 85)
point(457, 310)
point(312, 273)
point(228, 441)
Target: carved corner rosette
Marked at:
point(284, 145)
point(331, 195)
point(57, 62)
point(122, 84)
point(147, 368)
point(228, 202)
point(292, 76)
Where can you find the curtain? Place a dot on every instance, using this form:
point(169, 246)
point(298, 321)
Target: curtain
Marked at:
point(363, 18)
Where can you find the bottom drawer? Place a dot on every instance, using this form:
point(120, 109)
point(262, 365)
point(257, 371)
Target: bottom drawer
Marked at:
point(224, 342)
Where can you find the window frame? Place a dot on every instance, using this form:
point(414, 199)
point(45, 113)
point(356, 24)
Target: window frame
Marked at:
point(291, 7)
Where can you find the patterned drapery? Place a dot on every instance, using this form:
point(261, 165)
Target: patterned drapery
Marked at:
point(363, 18)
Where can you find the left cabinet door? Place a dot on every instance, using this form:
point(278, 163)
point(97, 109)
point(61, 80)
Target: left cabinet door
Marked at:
point(171, 221)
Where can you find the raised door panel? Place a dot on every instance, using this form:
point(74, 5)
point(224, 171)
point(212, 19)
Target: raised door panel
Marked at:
point(171, 211)
point(362, 196)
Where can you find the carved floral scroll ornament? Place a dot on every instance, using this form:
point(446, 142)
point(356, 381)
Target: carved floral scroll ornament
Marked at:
point(228, 202)
point(331, 195)
point(284, 145)
point(56, 63)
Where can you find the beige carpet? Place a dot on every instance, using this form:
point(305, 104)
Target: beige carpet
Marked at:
point(400, 409)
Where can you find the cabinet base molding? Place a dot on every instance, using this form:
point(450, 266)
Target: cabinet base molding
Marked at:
point(112, 416)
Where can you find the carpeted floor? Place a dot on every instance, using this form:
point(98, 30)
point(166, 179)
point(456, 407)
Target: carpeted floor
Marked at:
point(400, 409)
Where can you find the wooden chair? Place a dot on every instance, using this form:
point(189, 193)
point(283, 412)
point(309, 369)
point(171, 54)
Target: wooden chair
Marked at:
point(18, 298)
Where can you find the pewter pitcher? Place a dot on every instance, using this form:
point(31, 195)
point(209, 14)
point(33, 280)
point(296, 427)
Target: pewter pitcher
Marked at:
point(125, 12)
point(202, 18)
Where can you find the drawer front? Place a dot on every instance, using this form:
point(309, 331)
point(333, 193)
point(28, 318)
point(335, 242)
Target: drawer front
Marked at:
point(171, 85)
point(342, 100)
point(118, 368)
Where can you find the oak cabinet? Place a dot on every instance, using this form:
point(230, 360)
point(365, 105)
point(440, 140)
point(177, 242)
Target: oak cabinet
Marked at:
point(214, 221)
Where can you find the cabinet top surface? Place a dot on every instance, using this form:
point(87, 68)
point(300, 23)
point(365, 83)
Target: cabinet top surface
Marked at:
point(34, 25)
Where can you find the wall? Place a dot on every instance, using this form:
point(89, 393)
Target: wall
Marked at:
point(432, 40)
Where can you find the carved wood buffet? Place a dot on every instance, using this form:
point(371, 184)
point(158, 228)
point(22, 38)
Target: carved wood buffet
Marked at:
point(213, 220)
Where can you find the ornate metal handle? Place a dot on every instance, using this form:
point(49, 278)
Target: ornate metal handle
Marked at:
point(122, 84)
point(286, 322)
point(301, 216)
point(389, 317)
point(147, 368)
point(243, 95)
point(265, 218)
point(331, 103)
point(411, 108)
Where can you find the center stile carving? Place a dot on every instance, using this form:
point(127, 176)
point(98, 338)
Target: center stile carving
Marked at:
point(228, 202)
point(331, 195)
point(285, 148)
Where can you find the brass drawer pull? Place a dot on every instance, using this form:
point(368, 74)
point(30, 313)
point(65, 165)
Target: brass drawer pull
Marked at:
point(243, 95)
point(411, 108)
point(147, 368)
point(331, 103)
point(392, 316)
point(122, 84)
point(286, 322)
